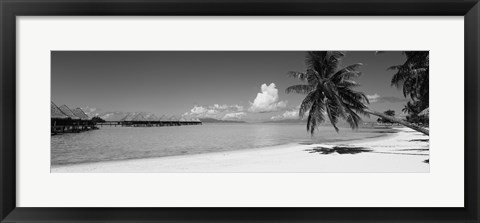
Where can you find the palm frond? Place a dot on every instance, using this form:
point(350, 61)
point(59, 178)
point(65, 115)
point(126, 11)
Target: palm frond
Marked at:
point(332, 61)
point(332, 113)
point(315, 116)
point(349, 84)
point(396, 67)
point(298, 75)
point(352, 67)
point(352, 118)
point(300, 89)
point(347, 73)
point(307, 103)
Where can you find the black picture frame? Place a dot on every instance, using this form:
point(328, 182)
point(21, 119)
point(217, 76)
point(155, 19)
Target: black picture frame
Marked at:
point(9, 212)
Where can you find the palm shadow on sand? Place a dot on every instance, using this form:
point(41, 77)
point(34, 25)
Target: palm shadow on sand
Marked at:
point(419, 150)
point(419, 140)
point(339, 150)
point(354, 150)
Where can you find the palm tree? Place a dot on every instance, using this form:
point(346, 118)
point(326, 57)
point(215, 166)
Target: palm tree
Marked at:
point(329, 92)
point(411, 108)
point(413, 77)
point(406, 109)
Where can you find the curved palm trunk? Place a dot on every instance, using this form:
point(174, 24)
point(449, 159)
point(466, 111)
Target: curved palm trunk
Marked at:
point(399, 121)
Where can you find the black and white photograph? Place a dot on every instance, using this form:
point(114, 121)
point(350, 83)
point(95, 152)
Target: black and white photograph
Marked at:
point(239, 111)
point(242, 111)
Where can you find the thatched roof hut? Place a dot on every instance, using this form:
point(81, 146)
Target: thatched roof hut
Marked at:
point(129, 117)
point(68, 112)
point(150, 117)
point(79, 113)
point(139, 118)
point(113, 116)
point(56, 113)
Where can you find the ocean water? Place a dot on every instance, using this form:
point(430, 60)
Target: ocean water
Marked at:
point(120, 143)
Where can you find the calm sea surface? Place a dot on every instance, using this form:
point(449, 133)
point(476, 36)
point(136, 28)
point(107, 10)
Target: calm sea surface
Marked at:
point(119, 143)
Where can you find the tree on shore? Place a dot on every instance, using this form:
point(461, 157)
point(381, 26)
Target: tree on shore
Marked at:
point(329, 92)
point(408, 108)
point(97, 119)
point(413, 110)
point(389, 113)
point(413, 78)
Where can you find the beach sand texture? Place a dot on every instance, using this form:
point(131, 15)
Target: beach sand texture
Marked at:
point(405, 151)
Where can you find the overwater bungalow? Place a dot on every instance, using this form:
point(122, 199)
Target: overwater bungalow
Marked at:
point(58, 120)
point(85, 121)
point(196, 121)
point(66, 120)
point(139, 121)
point(162, 120)
point(173, 121)
point(75, 120)
point(127, 120)
point(152, 119)
point(187, 121)
point(63, 120)
point(67, 111)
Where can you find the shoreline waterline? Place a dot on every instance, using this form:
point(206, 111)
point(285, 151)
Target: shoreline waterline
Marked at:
point(366, 139)
point(238, 160)
point(109, 144)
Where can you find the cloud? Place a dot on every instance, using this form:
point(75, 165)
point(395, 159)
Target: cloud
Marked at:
point(216, 111)
point(238, 107)
point(234, 116)
point(227, 107)
point(198, 110)
point(267, 100)
point(212, 112)
point(286, 115)
point(375, 98)
point(290, 114)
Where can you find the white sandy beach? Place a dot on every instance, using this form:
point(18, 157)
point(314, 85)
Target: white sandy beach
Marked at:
point(404, 151)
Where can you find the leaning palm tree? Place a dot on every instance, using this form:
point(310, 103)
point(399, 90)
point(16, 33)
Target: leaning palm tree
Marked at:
point(329, 92)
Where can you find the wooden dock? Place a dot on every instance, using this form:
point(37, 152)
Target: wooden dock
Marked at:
point(148, 120)
point(147, 123)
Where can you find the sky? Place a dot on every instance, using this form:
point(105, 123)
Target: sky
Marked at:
point(229, 85)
